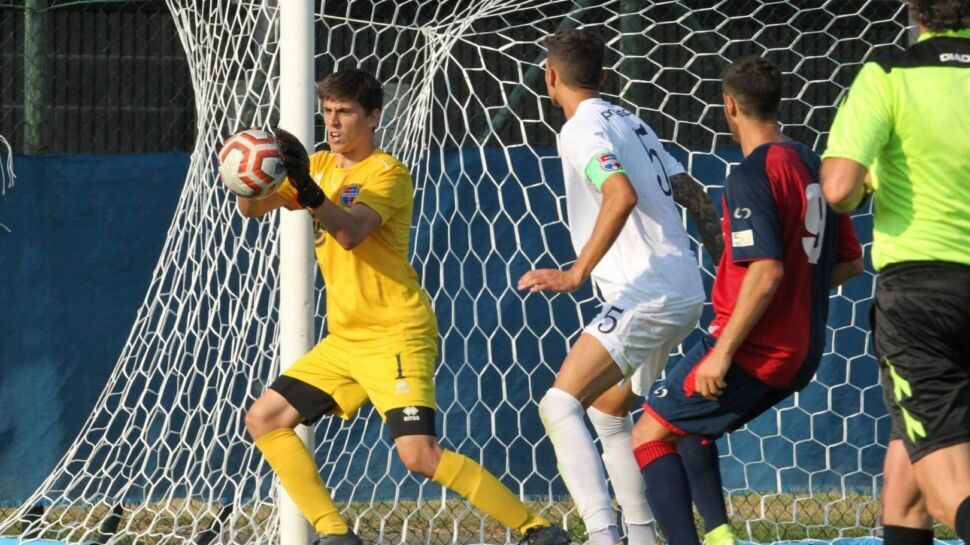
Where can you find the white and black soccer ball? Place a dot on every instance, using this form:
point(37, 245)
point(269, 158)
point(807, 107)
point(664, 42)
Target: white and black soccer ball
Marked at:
point(250, 164)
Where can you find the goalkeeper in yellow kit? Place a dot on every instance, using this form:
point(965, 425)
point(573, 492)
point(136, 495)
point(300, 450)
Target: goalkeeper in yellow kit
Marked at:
point(383, 336)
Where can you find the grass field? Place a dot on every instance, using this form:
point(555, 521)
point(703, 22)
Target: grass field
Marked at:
point(756, 517)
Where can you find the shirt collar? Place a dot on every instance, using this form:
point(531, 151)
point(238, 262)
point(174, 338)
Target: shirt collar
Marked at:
point(962, 33)
point(591, 101)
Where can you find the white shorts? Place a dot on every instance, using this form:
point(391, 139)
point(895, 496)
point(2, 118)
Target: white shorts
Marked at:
point(641, 337)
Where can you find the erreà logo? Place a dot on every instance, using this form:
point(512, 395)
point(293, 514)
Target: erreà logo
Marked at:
point(955, 57)
point(411, 414)
point(348, 195)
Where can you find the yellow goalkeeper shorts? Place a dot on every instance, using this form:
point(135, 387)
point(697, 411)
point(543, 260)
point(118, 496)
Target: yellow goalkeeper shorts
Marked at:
point(339, 376)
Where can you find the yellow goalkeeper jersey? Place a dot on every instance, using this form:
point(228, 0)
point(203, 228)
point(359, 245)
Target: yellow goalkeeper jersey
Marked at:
point(373, 293)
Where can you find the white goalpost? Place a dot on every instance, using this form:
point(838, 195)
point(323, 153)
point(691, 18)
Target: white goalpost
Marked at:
point(164, 457)
point(297, 265)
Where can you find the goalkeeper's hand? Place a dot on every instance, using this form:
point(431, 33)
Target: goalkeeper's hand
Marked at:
point(297, 162)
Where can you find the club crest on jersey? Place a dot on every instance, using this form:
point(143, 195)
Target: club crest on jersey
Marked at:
point(609, 162)
point(348, 195)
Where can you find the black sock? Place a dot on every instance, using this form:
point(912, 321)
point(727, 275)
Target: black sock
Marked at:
point(704, 474)
point(902, 535)
point(963, 520)
point(668, 491)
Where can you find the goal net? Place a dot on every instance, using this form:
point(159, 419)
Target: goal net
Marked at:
point(164, 458)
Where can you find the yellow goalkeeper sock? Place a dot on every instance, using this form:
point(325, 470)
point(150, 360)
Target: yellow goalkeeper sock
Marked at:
point(297, 470)
point(471, 480)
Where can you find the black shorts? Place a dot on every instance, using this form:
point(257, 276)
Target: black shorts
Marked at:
point(921, 332)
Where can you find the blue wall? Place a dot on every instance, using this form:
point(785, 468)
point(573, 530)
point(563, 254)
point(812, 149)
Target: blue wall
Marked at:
point(87, 232)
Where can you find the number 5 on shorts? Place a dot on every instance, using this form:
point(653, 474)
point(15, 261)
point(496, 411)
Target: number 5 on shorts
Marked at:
point(609, 321)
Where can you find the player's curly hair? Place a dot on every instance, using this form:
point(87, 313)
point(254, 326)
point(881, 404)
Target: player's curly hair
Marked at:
point(754, 82)
point(353, 84)
point(578, 56)
point(942, 15)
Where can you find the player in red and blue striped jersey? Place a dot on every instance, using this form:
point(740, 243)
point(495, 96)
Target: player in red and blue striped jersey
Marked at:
point(784, 250)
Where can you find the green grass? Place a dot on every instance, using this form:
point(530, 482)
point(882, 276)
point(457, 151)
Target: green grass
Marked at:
point(755, 517)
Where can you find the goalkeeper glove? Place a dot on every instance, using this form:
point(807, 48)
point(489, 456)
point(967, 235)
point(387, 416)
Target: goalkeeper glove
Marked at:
point(297, 162)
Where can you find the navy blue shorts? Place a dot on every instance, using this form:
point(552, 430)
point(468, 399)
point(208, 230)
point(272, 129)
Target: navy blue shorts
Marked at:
point(744, 398)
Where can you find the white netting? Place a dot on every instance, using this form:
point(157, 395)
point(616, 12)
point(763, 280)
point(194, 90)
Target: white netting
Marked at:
point(164, 455)
point(7, 176)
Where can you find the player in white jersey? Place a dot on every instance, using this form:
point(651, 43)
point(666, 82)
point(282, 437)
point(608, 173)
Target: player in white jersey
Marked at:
point(629, 237)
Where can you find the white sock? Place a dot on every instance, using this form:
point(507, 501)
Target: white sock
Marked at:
point(579, 464)
point(614, 433)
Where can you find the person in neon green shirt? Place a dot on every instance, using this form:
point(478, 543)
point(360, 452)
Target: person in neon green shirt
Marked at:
point(903, 135)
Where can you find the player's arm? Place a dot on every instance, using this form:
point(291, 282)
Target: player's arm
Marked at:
point(756, 239)
point(859, 133)
point(848, 253)
point(760, 283)
point(348, 227)
point(253, 208)
point(689, 193)
point(619, 199)
point(845, 271)
point(843, 183)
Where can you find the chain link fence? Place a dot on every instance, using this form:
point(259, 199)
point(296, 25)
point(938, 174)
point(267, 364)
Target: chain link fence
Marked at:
point(84, 76)
point(93, 77)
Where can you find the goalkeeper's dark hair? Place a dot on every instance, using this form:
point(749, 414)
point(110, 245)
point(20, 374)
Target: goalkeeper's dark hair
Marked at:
point(756, 84)
point(578, 56)
point(942, 15)
point(353, 84)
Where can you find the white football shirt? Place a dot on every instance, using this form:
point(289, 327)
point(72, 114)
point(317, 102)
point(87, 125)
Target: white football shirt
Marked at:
point(650, 261)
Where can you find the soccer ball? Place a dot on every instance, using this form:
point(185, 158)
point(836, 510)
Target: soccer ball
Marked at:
point(250, 164)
